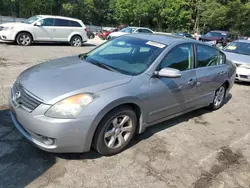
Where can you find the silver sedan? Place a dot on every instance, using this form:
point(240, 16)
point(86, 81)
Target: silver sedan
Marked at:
point(239, 53)
point(103, 98)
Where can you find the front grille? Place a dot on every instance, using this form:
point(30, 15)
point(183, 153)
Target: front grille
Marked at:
point(244, 76)
point(23, 98)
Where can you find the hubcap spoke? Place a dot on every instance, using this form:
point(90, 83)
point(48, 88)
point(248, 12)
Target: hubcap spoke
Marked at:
point(115, 122)
point(127, 129)
point(121, 140)
point(112, 142)
point(109, 133)
point(124, 120)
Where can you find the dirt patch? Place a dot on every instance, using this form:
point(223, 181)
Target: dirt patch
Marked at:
point(226, 158)
point(201, 121)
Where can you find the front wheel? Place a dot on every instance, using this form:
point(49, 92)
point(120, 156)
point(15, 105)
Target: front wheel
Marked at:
point(24, 39)
point(115, 131)
point(76, 41)
point(219, 98)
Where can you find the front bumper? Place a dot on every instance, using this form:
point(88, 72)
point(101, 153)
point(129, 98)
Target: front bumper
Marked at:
point(242, 74)
point(7, 35)
point(67, 135)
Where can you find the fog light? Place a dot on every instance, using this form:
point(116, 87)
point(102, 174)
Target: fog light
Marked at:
point(4, 37)
point(48, 141)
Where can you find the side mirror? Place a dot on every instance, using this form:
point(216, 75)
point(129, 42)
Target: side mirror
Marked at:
point(38, 24)
point(168, 73)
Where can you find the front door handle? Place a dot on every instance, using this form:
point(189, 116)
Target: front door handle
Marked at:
point(222, 73)
point(191, 82)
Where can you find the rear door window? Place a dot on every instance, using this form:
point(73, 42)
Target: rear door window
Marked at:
point(208, 56)
point(62, 23)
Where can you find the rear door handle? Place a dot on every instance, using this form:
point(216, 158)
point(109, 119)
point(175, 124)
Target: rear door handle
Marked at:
point(222, 73)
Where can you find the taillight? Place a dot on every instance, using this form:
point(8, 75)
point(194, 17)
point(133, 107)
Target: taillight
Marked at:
point(85, 29)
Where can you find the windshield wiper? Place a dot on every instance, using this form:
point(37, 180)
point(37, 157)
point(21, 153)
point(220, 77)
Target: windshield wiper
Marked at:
point(105, 66)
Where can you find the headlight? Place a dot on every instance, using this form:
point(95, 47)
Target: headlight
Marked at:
point(8, 28)
point(70, 107)
point(247, 66)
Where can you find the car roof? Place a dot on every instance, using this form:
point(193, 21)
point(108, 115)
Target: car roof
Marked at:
point(162, 38)
point(62, 17)
point(219, 31)
point(133, 27)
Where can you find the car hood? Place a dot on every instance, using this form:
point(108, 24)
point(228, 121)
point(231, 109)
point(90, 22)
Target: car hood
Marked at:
point(14, 24)
point(57, 79)
point(237, 58)
point(117, 34)
point(210, 38)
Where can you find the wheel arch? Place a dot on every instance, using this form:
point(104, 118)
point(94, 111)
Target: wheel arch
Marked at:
point(133, 103)
point(74, 34)
point(24, 31)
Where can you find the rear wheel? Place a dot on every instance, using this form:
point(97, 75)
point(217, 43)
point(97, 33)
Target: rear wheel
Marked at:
point(219, 98)
point(24, 39)
point(115, 131)
point(76, 41)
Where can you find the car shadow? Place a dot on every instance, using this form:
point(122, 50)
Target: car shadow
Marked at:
point(20, 162)
point(55, 44)
point(243, 83)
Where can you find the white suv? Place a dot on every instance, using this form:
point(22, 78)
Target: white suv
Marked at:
point(43, 28)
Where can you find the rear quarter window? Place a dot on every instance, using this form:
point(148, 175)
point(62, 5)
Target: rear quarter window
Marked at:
point(75, 24)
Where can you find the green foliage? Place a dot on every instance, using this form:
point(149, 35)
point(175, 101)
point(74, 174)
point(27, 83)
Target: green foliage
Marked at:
point(167, 15)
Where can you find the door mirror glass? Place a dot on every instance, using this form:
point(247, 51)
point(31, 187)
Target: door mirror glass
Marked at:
point(169, 73)
point(38, 24)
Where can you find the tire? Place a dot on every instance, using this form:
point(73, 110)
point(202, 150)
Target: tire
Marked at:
point(111, 137)
point(219, 98)
point(91, 36)
point(24, 39)
point(76, 41)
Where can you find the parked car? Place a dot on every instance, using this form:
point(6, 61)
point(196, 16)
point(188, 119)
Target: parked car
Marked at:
point(43, 28)
point(239, 53)
point(62, 106)
point(218, 38)
point(184, 34)
point(129, 30)
point(105, 33)
point(90, 34)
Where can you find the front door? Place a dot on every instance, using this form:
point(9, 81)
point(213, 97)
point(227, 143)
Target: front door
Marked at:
point(44, 32)
point(169, 96)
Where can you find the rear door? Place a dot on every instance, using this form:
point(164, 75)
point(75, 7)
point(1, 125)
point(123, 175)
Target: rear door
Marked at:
point(62, 30)
point(211, 72)
point(173, 95)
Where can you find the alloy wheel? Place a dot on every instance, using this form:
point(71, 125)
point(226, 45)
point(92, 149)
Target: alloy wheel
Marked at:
point(118, 131)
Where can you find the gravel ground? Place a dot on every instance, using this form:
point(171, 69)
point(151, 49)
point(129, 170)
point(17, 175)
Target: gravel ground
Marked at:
point(202, 149)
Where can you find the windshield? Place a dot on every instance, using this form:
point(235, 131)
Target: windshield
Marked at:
point(128, 30)
point(31, 20)
point(238, 47)
point(127, 55)
point(215, 34)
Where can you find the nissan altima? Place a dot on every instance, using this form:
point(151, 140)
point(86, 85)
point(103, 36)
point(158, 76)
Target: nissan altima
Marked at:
point(103, 98)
